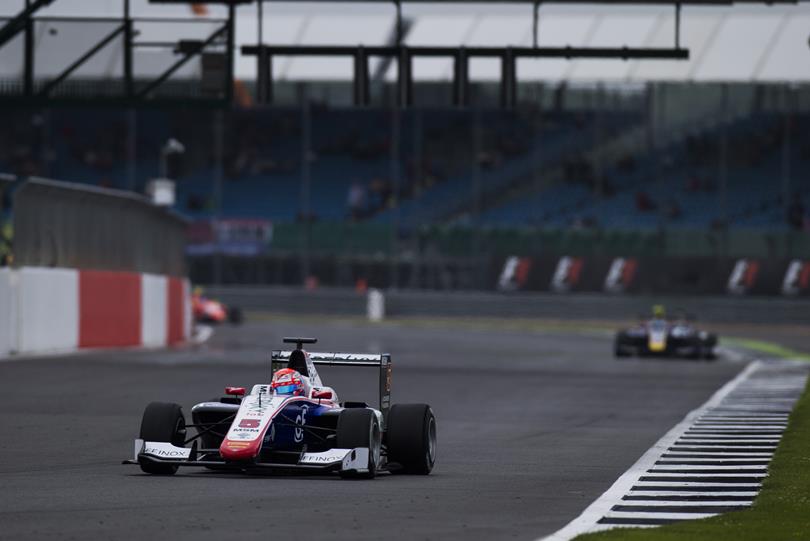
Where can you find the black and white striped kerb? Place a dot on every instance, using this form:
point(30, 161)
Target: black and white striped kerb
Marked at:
point(713, 462)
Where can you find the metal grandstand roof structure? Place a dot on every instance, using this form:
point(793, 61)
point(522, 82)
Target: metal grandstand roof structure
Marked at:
point(572, 41)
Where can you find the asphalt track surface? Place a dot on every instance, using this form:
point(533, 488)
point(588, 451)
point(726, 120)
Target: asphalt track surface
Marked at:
point(533, 426)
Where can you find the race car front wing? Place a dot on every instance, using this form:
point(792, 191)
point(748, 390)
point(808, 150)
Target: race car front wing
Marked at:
point(355, 460)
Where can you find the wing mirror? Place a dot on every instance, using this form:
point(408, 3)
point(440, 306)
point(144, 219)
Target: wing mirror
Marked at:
point(324, 395)
point(235, 391)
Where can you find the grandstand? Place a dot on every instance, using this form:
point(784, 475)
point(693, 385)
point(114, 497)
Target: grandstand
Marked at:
point(620, 121)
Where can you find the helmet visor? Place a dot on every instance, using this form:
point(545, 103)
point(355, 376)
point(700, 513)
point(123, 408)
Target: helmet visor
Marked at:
point(287, 389)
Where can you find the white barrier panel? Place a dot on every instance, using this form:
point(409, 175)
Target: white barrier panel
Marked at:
point(376, 305)
point(154, 295)
point(8, 311)
point(48, 309)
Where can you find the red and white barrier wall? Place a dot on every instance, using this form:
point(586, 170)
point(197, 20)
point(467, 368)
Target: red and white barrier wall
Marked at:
point(58, 310)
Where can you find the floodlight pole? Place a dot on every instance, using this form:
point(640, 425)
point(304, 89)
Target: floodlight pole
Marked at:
point(361, 85)
point(786, 124)
point(128, 35)
point(461, 79)
point(306, 178)
point(398, 6)
point(508, 79)
point(264, 68)
point(230, 48)
point(29, 53)
point(677, 26)
point(722, 192)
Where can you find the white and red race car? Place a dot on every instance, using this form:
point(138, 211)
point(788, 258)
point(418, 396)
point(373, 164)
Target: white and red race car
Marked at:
point(267, 431)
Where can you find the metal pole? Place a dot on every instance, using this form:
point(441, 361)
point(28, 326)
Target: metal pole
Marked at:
point(128, 66)
point(306, 155)
point(786, 150)
point(723, 188)
point(163, 171)
point(535, 23)
point(398, 6)
point(28, 75)
point(660, 122)
point(230, 52)
point(262, 77)
point(677, 26)
point(395, 186)
point(597, 128)
point(261, 22)
point(219, 154)
point(132, 149)
point(652, 104)
point(476, 189)
point(416, 278)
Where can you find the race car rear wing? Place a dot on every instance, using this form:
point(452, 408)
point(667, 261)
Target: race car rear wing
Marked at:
point(280, 359)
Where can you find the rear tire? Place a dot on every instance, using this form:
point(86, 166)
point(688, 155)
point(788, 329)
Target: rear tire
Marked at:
point(163, 422)
point(411, 438)
point(360, 428)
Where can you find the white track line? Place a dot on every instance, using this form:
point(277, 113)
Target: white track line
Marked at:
point(718, 454)
point(691, 484)
point(705, 459)
point(680, 503)
point(675, 493)
point(598, 509)
point(657, 516)
point(696, 467)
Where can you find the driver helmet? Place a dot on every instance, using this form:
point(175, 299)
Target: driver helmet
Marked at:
point(287, 382)
point(659, 311)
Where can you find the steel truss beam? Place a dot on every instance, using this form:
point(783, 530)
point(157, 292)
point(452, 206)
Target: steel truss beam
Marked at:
point(46, 90)
point(460, 56)
point(20, 21)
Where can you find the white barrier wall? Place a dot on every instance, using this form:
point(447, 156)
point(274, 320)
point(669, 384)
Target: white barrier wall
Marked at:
point(48, 315)
point(8, 311)
point(47, 310)
point(154, 322)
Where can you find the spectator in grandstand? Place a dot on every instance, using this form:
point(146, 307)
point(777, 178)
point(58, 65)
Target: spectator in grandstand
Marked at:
point(356, 200)
point(380, 195)
point(796, 213)
point(644, 202)
point(673, 210)
point(6, 236)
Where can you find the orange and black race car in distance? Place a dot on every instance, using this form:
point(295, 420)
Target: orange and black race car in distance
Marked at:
point(211, 311)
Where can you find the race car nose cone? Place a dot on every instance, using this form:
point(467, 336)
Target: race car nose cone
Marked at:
point(239, 450)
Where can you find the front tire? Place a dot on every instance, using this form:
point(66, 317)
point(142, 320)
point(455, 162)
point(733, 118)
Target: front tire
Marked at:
point(163, 422)
point(360, 428)
point(411, 438)
point(618, 350)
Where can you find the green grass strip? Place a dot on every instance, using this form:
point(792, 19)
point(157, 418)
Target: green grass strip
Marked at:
point(769, 348)
point(781, 511)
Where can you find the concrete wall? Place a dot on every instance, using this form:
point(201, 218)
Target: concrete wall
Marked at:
point(582, 306)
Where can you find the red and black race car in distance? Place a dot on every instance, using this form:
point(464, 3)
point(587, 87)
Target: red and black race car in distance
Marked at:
point(295, 423)
point(659, 337)
point(211, 311)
